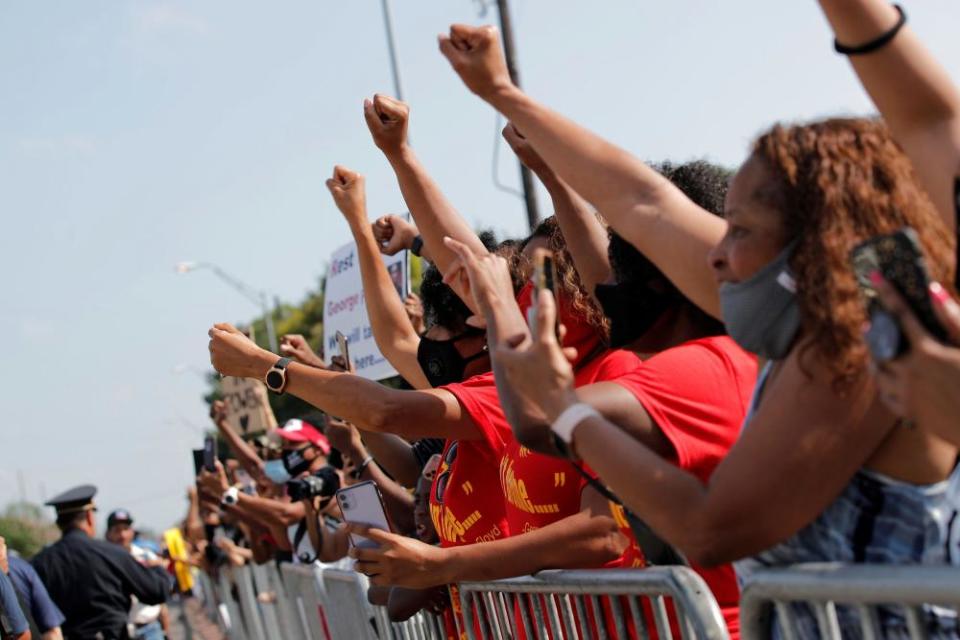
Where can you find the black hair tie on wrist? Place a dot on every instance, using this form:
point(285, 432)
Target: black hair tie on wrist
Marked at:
point(877, 43)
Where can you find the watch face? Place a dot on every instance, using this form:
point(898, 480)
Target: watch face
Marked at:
point(274, 379)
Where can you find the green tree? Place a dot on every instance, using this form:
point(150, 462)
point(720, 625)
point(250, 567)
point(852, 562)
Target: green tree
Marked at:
point(26, 529)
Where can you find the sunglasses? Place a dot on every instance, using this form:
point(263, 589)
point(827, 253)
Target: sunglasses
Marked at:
point(444, 477)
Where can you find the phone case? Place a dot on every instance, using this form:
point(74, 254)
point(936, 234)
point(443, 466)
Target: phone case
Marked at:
point(362, 504)
point(209, 454)
point(899, 260)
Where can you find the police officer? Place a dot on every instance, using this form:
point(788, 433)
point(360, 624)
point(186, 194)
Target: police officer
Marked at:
point(92, 580)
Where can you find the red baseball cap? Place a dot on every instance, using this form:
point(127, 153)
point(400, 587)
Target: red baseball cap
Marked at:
point(300, 431)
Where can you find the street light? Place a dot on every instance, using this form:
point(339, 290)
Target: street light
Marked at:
point(258, 298)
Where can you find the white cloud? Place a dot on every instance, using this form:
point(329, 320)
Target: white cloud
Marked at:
point(170, 17)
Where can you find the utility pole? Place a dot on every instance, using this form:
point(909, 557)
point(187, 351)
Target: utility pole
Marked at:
point(509, 50)
point(392, 49)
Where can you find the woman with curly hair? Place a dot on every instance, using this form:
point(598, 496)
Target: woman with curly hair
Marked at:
point(823, 471)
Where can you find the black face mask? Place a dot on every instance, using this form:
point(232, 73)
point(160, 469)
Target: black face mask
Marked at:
point(294, 461)
point(440, 360)
point(632, 309)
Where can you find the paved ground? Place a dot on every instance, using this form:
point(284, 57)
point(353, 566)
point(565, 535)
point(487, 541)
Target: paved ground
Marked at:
point(190, 622)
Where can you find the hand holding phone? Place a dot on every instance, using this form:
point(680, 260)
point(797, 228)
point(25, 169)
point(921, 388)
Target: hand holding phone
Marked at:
point(897, 257)
point(544, 277)
point(362, 504)
point(209, 454)
point(343, 344)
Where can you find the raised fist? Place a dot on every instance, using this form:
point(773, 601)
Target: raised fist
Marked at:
point(394, 234)
point(387, 119)
point(349, 194)
point(475, 54)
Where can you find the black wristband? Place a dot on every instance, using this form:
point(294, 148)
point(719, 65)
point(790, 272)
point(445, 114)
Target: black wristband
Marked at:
point(416, 246)
point(878, 42)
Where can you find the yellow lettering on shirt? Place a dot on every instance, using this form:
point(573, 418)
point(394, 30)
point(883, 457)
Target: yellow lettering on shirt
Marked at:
point(448, 527)
point(619, 515)
point(516, 491)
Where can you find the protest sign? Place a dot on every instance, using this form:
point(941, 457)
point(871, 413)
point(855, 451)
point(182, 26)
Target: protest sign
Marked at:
point(345, 310)
point(248, 409)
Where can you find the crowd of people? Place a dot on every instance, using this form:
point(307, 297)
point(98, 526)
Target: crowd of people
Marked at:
point(710, 379)
point(705, 376)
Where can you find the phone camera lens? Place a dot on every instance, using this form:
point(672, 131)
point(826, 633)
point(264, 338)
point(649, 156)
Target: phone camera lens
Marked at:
point(344, 504)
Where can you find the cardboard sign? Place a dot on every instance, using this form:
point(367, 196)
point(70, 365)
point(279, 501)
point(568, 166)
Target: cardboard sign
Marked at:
point(248, 410)
point(345, 310)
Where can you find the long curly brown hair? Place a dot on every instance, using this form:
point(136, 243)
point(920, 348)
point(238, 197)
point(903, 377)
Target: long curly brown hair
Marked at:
point(839, 182)
point(568, 280)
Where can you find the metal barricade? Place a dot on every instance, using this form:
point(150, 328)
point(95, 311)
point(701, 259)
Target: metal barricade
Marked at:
point(836, 600)
point(233, 621)
point(306, 598)
point(348, 613)
point(573, 605)
point(249, 604)
point(280, 620)
point(422, 626)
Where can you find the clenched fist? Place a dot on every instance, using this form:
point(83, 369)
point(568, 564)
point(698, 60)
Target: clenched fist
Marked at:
point(387, 119)
point(475, 54)
point(234, 354)
point(394, 234)
point(349, 194)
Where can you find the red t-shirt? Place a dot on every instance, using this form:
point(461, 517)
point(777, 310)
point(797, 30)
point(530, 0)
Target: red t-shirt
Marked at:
point(539, 489)
point(698, 394)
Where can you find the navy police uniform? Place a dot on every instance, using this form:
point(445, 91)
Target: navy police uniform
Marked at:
point(92, 580)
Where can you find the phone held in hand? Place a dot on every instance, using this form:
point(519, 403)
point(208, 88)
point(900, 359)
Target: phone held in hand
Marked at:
point(197, 461)
point(343, 343)
point(209, 454)
point(899, 259)
point(544, 277)
point(362, 503)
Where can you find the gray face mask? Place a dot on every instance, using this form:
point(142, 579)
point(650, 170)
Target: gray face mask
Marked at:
point(761, 313)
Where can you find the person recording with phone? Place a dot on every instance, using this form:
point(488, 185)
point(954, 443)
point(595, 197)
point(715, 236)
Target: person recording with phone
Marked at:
point(805, 196)
point(304, 470)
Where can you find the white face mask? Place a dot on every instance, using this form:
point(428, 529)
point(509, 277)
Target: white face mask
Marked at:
point(761, 313)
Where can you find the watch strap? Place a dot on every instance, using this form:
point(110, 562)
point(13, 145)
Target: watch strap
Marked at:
point(282, 363)
point(572, 416)
point(416, 246)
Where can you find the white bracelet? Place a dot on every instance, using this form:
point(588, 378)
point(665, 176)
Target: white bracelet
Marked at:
point(572, 416)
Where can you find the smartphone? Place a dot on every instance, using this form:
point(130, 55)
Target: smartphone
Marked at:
point(343, 343)
point(197, 461)
point(362, 503)
point(209, 453)
point(899, 259)
point(544, 277)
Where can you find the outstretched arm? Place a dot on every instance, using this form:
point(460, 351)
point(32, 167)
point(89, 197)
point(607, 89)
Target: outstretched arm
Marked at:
point(370, 406)
point(913, 92)
point(397, 500)
point(245, 454)
point(818, 438)
point(392, 330)
point(643, 206)
point(585, 540)
point(435, 216)
point(583, 232)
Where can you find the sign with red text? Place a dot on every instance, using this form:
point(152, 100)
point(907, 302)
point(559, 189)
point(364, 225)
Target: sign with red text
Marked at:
point(345, 310)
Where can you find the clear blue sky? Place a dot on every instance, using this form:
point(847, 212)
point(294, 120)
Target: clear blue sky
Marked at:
point(137, 134)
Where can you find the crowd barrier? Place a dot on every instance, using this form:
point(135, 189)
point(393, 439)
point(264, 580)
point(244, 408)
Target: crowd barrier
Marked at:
point(846, 597)
point(557, 604)
point(301, 602)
